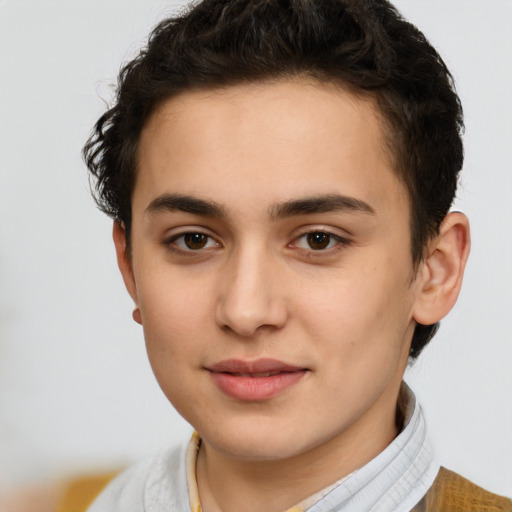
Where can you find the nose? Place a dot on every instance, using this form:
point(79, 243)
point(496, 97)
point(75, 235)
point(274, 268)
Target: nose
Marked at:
point(251, 298)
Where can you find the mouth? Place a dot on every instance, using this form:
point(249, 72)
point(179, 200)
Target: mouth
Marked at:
point(254, 375)
point(255, 381)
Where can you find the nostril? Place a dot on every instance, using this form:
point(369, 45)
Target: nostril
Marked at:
point(247, 324)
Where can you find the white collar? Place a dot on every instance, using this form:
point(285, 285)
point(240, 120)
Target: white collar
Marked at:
point(396, 479)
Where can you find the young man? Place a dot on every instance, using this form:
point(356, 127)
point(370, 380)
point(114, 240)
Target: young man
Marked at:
point(280, 176)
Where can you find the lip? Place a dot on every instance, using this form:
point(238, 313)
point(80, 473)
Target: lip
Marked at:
point(255, 381)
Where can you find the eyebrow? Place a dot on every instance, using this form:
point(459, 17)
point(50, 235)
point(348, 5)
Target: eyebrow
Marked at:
point(302, 206)
point(187, 204)
point(320, 204)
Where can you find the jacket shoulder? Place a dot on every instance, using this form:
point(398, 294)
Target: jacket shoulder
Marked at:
point(451, 492)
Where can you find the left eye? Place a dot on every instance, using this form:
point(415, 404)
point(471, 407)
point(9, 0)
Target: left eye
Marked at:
point(317, 241)
point(194, 241)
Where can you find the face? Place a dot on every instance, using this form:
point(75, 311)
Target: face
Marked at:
point(271, 264)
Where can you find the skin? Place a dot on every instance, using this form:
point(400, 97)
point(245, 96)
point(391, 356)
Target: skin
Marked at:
point(254, 286)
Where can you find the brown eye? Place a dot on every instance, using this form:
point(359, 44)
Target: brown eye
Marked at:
point(191, 242)
point(195, 241)
point(318, 241)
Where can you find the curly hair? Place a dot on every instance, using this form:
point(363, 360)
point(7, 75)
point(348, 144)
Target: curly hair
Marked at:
point(365, 45)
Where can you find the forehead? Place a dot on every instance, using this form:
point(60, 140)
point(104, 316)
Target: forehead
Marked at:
point(266, 142)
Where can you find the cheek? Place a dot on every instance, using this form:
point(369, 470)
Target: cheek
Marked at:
point(175, 314)
point(367, 311)
point(173, 324)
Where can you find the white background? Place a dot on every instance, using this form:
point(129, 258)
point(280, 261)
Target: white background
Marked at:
point(76, 391)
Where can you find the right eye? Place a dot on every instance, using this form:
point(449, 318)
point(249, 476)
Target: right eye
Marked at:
point(193, 241)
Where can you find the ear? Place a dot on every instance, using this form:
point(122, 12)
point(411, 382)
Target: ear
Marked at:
point(441, 273)
point(125, 266)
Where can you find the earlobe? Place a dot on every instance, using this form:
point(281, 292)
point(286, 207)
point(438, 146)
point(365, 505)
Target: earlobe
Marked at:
point(443, 270)
point(136, 315)
point(125, 265)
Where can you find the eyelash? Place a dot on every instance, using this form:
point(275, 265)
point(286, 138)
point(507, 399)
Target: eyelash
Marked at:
point(172, 244)
point(339, 242)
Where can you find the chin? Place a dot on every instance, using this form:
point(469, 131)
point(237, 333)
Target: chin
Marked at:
point(273, 441)
point(256, 449)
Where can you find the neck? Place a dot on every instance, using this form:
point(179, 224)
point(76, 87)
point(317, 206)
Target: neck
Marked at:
point(229, 484)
